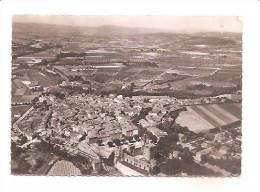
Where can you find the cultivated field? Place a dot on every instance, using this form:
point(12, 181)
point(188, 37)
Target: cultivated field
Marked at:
point(200, 118)
point(64, 168)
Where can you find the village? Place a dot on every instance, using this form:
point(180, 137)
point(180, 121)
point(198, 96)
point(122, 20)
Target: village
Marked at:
point(127, 133)
point(113, 105)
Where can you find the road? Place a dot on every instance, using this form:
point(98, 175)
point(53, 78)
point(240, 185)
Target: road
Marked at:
point(15, 126)
point(29, 143)
point(24, 115)
point(201, 76)
point(192, 77)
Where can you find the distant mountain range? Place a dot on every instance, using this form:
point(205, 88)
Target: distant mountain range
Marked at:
point(104, 30)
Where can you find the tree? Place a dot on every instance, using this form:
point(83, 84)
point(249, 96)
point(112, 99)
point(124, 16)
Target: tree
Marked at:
point(142, 131)
point(174, 137)
point(35, 100)
point(23, 140)
point(110, 160)
point(167, 144)
point(110, 144)
point(130, 138)
point(187, 156)
point(155, 170)
point(99, 142)
point(117, 142)
point(15, 151)
point(144, 112)
point(23, 167)
point(196, 169)
point(171, 167)
point(159, 158)
point(136, 137)
point(39, 163)
point(152, 137)
point(45, 147)
point(203, 158)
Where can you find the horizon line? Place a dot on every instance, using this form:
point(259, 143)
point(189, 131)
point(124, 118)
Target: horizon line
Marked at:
point(155, 30)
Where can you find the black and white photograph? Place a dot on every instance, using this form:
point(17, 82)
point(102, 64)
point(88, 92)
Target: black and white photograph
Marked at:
point(126, 95)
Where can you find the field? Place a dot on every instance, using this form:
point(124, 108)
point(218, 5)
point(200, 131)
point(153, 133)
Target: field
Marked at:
point(64, 168)
point(18, 110)
point(222, 78)
point(200, 118)
point(44, 79)
point(199, 59)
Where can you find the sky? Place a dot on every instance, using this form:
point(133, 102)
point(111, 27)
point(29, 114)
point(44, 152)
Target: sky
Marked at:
point(164, 23)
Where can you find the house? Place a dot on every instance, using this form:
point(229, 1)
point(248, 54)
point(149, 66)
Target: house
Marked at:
point(138, 163)
point(128, 128)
